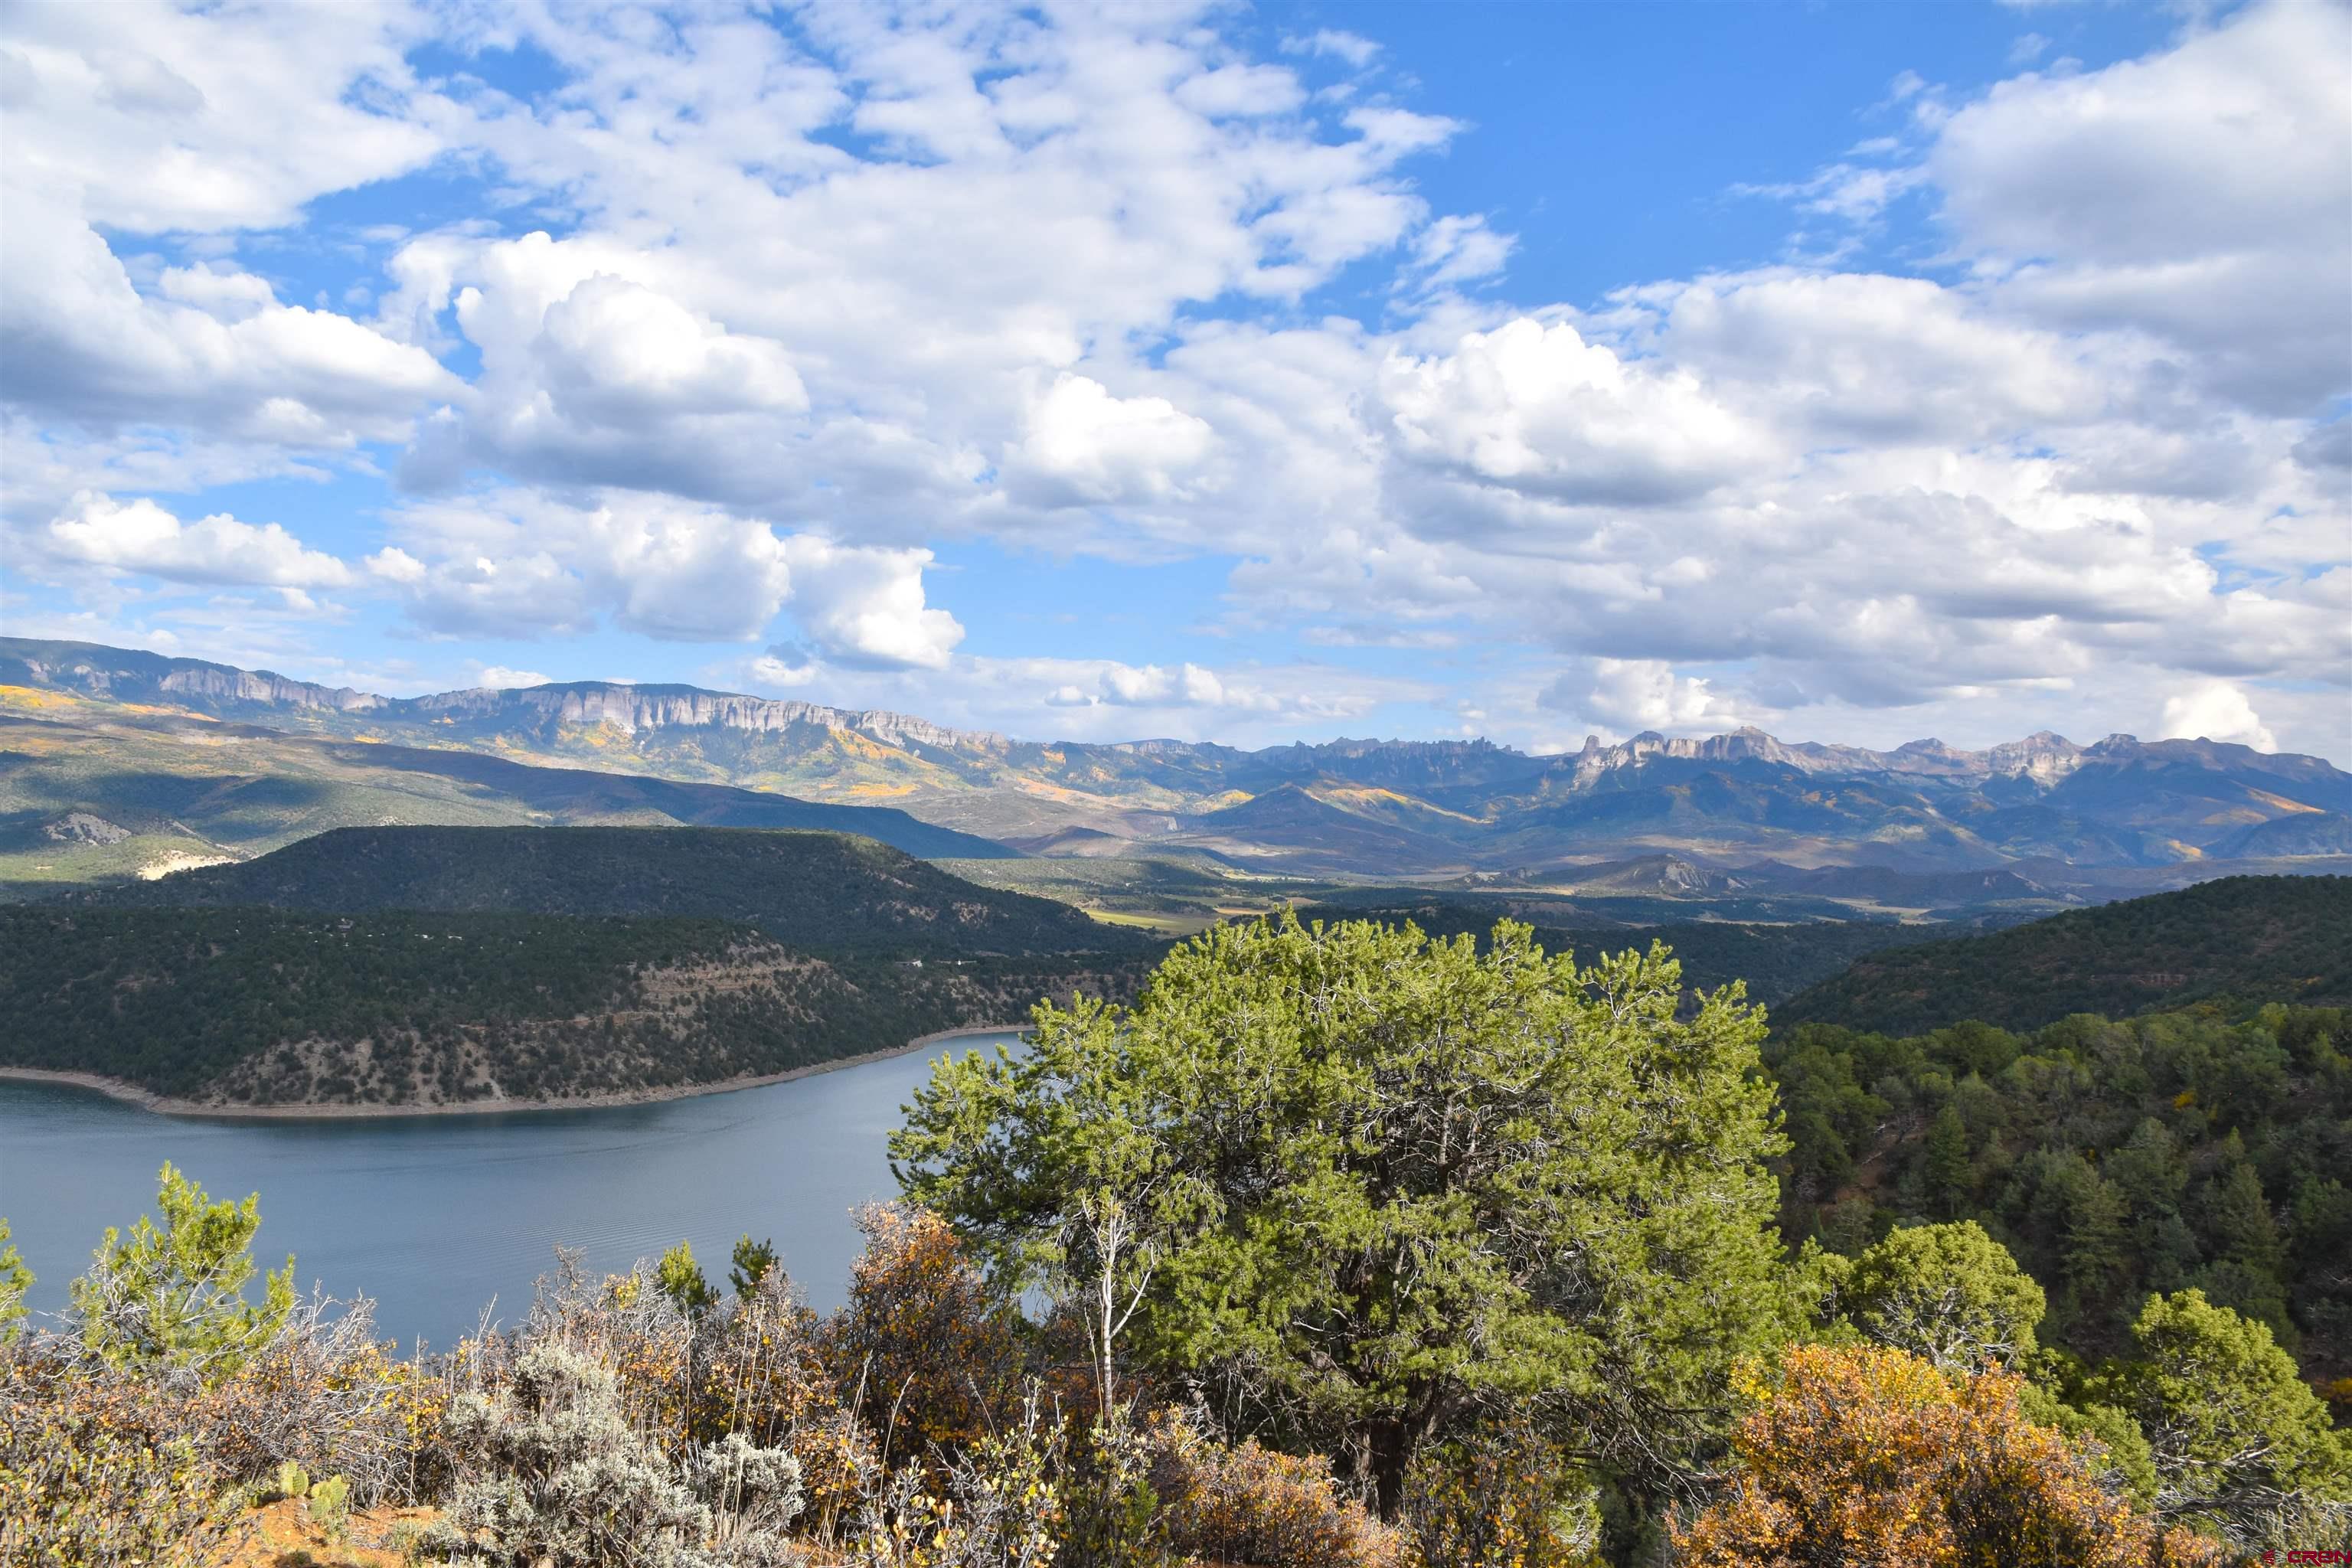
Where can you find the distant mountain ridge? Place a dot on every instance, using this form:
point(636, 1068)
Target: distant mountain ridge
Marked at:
point(133, 674)
point(1350, 807)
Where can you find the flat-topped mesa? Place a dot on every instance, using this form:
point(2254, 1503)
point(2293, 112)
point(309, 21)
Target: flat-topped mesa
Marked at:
point(1746, 744)
point(133, 675)
point(261, 686)
point(634, 707)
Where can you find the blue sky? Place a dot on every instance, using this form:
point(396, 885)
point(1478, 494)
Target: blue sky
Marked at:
point(1860, 371)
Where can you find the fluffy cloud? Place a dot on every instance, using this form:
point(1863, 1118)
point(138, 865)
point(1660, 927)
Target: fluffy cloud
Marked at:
point(735, 328)
point(1627, 696)
point(1539, 409)
point(1151, 686)
point(140, 536)
point(592, 372)
point(2216, 710)
point(135, 119)
point(864, 608)
point(81, 342)
point(157, 117)
point(498, 678)
point(1098, 699)
point(2204, 193)
point(517, 563)
point(1084, 447)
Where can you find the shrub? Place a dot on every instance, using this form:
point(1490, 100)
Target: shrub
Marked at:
point(323, 1395)
point(625, 1323)
point(1500, 1497)
point(759, 1372)
point(931, 1354)
point(408, 1541)
point(999, 1504)
point(1870, 1457)
point(1249, 1504)
point(1111, 1514)
point(14, 1280)
point(94, 1474)
point(558, 1473)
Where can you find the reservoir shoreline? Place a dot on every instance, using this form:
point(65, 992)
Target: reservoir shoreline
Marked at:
point(330, 1111)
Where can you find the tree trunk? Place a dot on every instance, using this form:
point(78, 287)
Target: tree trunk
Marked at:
point(1389, 1445)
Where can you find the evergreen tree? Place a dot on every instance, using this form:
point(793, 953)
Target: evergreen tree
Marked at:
point(1384, 1182)
point(678, 1276)
point(2239, 1443)
point(174, 1296)
point(752, 1260)
point(1947, 1293)
point(2247, 1276)
point(1943, 1169)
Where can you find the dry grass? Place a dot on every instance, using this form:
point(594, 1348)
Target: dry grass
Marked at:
point(285, 1536)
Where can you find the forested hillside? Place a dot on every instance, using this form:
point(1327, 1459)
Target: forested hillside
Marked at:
point(268, 1007)
point(2115, 1158)
point(2251, 939)
point(815, 892)
point(1776, 961)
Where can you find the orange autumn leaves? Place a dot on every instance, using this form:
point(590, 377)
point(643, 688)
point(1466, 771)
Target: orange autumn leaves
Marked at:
point(1869, 1457)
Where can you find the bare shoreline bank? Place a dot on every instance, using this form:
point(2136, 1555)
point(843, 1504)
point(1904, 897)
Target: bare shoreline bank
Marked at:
point(163, 1105)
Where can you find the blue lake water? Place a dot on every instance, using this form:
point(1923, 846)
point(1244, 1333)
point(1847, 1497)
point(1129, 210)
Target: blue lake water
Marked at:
point(436, 1217)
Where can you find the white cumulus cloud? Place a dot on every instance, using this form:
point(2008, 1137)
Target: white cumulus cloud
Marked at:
point(1539, 409)
point(138, 535)
point(2215, 710)
point(1085, 447)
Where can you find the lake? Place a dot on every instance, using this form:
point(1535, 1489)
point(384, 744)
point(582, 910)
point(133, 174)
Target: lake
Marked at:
point(436, 1216)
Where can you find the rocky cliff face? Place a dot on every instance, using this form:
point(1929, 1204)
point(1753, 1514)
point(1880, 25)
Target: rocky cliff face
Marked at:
point(127, 674)
point(233, 686)
point(2041, 756)
point(2045, 757)
point(636, 709)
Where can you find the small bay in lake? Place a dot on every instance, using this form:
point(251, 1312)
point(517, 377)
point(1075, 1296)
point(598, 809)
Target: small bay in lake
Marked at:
point(435, 1215)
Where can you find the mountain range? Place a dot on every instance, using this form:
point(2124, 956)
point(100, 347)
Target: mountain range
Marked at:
point(1728, 806)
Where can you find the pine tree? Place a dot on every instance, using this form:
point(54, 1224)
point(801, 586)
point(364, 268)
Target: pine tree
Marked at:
point(1944, 1170)
point(752, 1260)
point(174, 1296)
point(1385, 1182)
point(678, 1276)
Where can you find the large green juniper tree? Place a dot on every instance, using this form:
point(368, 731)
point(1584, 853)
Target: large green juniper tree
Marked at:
point(1374, 1184)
